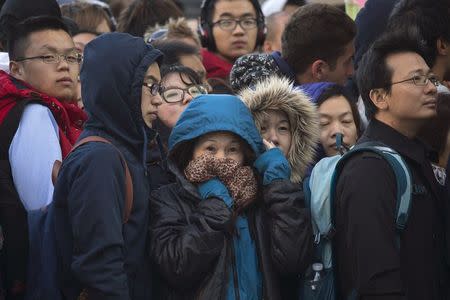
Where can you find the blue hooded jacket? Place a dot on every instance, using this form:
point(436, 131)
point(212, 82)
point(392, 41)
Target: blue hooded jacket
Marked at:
point(212, 113)
point(97, 250)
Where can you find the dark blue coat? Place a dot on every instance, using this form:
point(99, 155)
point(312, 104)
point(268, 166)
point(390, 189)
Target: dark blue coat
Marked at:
point(97, 251)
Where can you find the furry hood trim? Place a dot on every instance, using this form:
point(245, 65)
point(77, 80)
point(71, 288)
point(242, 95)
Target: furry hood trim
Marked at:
point(276, 93)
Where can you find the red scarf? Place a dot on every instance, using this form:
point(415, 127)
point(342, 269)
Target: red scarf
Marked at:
point(215, 66)
point(69, 117)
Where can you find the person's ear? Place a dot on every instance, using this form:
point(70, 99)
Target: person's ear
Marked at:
point(319, 69)
point(16, 69)
point(442, 47)
point(379, 98)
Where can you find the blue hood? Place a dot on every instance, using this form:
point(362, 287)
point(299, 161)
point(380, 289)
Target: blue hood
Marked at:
point(112, 74)
point(209, 113)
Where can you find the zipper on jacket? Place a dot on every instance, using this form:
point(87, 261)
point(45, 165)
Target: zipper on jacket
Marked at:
point(235, 275)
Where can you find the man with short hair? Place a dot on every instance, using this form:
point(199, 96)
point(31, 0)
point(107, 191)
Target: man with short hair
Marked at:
point(374, 260)
point(39, 123)
point(275, 26)
point(318, 44)
point(228, 30)
point(432, 20)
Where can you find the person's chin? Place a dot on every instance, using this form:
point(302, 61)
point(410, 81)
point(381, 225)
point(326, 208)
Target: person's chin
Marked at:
point(65, 96)
point(236, 53)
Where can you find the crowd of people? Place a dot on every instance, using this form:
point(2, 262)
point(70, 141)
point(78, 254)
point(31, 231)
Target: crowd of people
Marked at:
point(276, 152)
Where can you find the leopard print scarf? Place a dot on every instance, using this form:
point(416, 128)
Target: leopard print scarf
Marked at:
point(240, 180)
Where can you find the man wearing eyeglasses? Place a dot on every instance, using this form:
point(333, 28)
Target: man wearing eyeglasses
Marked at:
point(228, 30)
point(374, 259)
point(38, 125)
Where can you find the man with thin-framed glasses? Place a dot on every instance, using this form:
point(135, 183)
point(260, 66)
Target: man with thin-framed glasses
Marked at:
point(38, 125)
point(375, 259)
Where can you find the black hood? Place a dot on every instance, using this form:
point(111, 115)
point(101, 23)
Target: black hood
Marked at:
point(112, 74)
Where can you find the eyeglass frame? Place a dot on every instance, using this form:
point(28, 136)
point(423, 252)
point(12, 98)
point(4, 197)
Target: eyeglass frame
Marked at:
point(236, 23)
point(59, 56)
point(433, 79)
point(184, 90)
point(154, 87)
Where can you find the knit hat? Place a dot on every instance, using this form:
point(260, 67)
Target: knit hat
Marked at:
point(15, 11)
point(251, 68)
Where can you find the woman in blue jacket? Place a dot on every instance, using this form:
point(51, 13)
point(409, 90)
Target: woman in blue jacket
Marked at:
point(233, 225)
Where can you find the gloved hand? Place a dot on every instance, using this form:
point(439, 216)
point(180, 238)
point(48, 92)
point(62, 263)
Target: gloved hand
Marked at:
point(215, 188)
point(273, 165)
point(239, 180)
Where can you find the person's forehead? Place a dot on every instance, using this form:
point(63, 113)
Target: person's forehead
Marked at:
point(176, 79)
point(404, 63)
point(192, 61)
point(220, 136)
point(276, 116)
point(153, 73)
point(235, 8)
point(58, 40)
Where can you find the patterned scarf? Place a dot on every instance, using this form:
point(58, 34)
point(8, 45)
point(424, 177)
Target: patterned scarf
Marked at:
point(240, 180)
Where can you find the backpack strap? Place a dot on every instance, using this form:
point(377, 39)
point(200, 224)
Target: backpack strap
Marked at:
point(9, 127)
point(403, 179)
point(307, 192)
point(128, 180)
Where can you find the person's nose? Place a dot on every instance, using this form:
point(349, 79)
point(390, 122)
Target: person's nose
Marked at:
point(238, 30)
point(335, 129)
point(62, 64)
point(430, 88)
point(187, 98)
point(157, 100)
point(272, 136)
point(220, 154)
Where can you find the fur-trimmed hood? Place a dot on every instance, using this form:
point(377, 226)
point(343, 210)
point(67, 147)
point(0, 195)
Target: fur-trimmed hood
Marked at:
point(276, 93)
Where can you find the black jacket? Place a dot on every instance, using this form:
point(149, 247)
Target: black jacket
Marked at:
point(368, 258)
point(96, 250)
point(190, 239)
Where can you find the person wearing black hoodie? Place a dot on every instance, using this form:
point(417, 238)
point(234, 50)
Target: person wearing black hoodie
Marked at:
point(99, 254)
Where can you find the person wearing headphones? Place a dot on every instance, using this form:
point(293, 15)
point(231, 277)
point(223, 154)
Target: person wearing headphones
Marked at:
point(228, 30)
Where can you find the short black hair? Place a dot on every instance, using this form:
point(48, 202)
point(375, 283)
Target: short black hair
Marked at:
point(18, 39)
point(316, 31)
point(295, 2)
point(431, 19)
point(173, 50)
point(373, 71)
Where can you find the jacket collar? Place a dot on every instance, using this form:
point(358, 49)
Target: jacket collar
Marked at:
point(411, 148)
point(182, 181)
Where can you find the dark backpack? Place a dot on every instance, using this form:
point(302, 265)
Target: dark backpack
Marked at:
point(42, 281)
point(320, 192)
point(13, 216)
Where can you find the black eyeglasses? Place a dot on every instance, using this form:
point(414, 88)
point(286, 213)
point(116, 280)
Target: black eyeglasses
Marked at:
point(230, 24)
point(155, 88)
point(421, 80)
point(73, 58)
point(173, 95)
